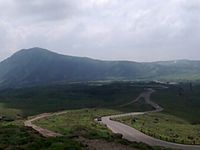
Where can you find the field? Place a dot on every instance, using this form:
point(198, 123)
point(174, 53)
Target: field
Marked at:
point(80, 123)
point(14, 136)
point(10, 112)
point(36, 100)
point(179, 122)
point(180, 100)
point(85, 101)
point(165, 127)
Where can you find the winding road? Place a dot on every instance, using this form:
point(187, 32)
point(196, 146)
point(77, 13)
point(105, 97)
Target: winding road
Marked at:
point(132, 134)
point(128, 132)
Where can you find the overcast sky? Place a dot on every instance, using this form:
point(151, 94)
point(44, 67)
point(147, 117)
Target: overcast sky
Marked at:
point(138, 30)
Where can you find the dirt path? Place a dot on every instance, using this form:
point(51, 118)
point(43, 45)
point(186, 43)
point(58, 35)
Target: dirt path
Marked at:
point(132, 134)
point(42, 131)
point(91, 144)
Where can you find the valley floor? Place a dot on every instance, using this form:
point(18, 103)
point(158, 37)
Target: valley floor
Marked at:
point(76, 129)
point(85, 119)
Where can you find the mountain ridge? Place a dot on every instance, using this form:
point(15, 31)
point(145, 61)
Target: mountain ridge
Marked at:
point(84, 57)
point(38, 66)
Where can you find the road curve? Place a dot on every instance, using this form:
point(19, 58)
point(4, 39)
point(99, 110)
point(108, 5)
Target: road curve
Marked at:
point(44, 132)
point(132, 134)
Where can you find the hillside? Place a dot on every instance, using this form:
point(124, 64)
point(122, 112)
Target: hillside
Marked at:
point(37, 66)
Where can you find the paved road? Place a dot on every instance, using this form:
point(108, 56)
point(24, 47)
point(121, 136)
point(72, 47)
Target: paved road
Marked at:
point(132, 134)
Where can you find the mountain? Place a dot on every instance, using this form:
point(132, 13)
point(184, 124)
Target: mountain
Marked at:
point(37, 66)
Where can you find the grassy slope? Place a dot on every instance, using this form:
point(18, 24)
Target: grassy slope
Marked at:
point(10, 112)
point(13, 136)
point(33, 101)
point(135, 107)
point(185, 106)
point(165, 127)
point(179, 122)
point(74, 121)
point(81, 123)
point(37, 100)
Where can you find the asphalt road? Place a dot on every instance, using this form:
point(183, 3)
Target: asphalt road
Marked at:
point(132, 134)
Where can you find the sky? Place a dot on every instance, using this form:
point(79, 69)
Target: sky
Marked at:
point(136, 30)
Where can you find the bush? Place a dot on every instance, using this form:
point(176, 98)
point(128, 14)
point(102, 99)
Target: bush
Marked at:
point(117, 136)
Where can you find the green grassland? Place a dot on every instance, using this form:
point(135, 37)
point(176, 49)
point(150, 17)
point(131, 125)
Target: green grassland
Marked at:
point(165, 127)
point(72, 122)
point(135, 107)
point(185, 105)
point(78, 123)
point(31, 101)
point(180, 120)
point(100, 99)
point(10, 112)
point(14, 136)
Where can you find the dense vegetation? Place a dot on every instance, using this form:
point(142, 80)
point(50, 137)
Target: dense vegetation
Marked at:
point(38, 66)
point(182, 100)
point(18, 103)
point(179, 100)
point(31, 101)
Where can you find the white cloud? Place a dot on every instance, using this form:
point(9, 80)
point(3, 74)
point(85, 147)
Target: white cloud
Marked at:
point(139, 30)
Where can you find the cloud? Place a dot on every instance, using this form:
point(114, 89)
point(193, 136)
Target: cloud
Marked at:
point(41, 10)
point(105, 29)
